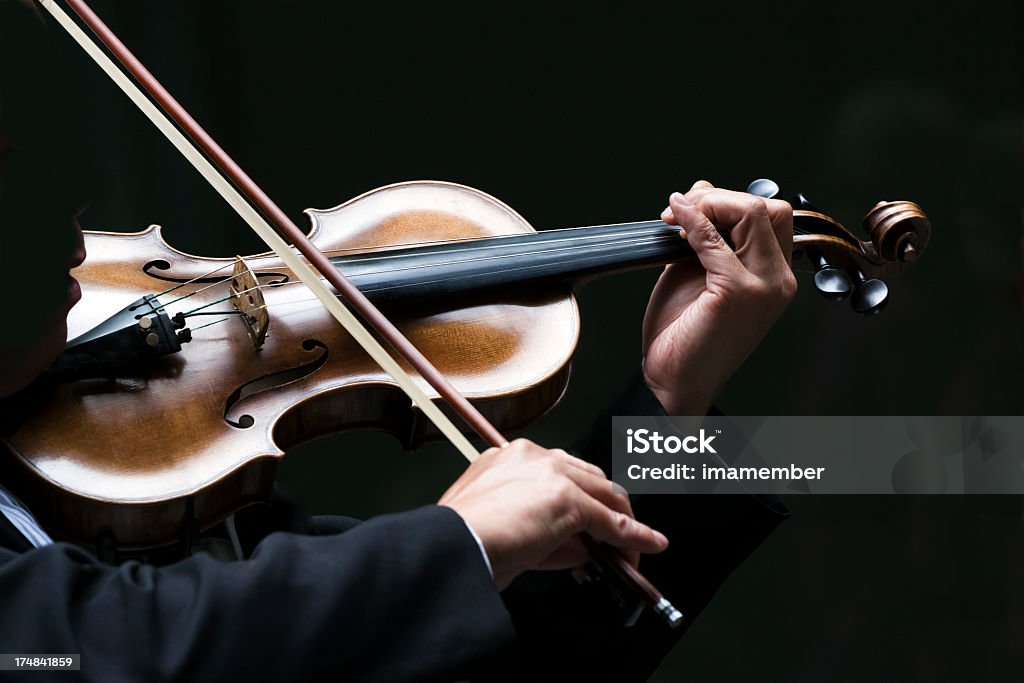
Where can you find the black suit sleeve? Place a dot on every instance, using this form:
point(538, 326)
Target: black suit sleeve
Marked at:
point(402, 597)
point(568, 631)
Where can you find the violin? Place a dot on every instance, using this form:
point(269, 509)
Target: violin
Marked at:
point(186, 379)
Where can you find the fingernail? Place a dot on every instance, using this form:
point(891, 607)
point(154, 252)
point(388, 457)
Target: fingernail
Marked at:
point(662, 538)
point(681, 198)
point(667, 213)
point(617, 488)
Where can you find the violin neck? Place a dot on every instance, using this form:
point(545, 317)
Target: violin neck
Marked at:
point(552, 257)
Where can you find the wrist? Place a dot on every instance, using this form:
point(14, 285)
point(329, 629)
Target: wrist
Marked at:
point(476, 538)
point(683, 398)
point(483, 548)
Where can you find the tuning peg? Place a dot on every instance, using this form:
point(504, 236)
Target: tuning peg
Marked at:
point(869, 296)
point(831, 282)
point(762, 187)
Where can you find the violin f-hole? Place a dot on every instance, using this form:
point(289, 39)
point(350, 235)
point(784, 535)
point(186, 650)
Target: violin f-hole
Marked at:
point(268, 382)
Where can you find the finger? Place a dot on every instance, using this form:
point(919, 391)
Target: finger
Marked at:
point(667, 215)
point(699, 189)
point(752, 233)
point(567, 458)
point(580, 463)
point(712, 251)
point(695, 190)
point(618, 529)
point(601, 488)
point(593, 480)
point(584, 474)
point(780, 213)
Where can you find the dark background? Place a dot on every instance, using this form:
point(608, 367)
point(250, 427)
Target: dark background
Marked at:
point(594, 112)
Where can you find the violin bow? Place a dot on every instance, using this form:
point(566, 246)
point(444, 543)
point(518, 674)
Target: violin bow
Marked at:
point(256, 208)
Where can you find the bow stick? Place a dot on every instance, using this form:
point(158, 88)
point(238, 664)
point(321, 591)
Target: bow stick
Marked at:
point(245, 197)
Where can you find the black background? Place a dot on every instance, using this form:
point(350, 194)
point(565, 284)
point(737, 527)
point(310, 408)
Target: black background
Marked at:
point(594, 112)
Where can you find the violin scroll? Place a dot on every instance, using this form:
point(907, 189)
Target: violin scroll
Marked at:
point(899, 230)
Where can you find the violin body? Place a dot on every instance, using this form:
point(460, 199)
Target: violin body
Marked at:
point(198, 434)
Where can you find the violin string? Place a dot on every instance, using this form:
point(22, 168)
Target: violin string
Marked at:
point(476, 240)
point(215, 322)
point(229, 315)
point(479, 244)
point(195, 311)
point(485, 243)
point(195, 279)
point(653, 239)
point(656, 231)
point(192, 315)
point(456, 240)
point(629, 242)
point(258, 286)
point(198, 291)
point(280, 305)
point(480, 259)
point(366, 254)
point(232, 314)
point(392, 287)
point(611, 239)
point(647, 237)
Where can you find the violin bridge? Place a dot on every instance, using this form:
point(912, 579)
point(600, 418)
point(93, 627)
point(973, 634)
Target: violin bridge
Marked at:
point(247, 297)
